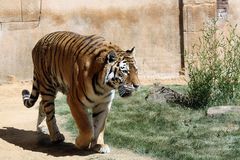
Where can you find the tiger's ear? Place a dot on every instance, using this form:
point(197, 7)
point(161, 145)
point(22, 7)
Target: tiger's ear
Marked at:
point(130, 51)
point(111, 57)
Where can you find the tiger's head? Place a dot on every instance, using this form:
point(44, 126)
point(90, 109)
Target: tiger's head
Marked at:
point(122, 72)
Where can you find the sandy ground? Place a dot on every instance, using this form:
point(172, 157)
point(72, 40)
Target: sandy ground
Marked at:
point(19, 139)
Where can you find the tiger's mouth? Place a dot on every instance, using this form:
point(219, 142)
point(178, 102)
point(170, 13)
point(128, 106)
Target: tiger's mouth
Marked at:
point(125, 90)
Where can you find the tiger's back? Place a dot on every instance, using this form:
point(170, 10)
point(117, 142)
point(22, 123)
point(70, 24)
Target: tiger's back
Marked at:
point(55, 54)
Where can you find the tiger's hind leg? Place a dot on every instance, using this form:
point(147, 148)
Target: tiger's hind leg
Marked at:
point(49, 109)
point(41, 117)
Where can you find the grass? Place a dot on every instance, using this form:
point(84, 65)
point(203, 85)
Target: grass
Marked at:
point(167, 131)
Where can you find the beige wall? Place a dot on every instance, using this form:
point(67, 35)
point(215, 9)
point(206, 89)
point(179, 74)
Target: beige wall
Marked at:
point(151, 26)
point(234, 12)
point(196, 13)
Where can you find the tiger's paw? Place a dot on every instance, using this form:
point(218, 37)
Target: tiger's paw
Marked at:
point(101, 148)
point(57, 138)
point(81, 144)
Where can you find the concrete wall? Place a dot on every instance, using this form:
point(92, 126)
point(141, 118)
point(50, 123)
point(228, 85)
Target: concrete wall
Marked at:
point(196, 13)
point(234, 12)
point(151, 26)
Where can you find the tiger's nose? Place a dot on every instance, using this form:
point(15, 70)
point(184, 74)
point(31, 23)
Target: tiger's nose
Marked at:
point(136, 86)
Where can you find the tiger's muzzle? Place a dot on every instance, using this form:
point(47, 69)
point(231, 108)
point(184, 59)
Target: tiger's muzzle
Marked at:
point(126, 90)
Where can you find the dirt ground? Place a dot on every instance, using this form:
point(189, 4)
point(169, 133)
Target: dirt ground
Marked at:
point(19, 139)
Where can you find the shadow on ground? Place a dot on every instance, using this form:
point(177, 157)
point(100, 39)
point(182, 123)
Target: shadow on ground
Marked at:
point(39, 142)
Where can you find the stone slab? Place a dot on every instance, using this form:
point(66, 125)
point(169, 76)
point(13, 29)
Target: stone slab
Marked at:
point(19, 25)
point(197, 15)
point(219, 110)
point(31, 10)
point(10, 11)
point(198, 1)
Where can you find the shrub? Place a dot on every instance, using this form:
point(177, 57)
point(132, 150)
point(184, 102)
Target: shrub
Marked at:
point(214, 68)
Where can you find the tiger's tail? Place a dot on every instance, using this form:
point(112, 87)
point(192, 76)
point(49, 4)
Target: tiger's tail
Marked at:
point(30, 99)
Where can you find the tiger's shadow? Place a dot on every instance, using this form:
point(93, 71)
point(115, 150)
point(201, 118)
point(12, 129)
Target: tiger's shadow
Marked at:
point(39, 142)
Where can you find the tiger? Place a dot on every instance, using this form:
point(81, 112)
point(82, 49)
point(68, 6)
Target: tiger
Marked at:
point(88, 69)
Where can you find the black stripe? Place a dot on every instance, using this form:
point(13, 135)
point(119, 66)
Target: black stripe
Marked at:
point(49, 112)
point(82, 41)
point(83, 47)
point(58, 56)
point(53, 116)
point(94, 83)
point(66, 52)
point(110, 94)
point(76, 90)
point(27, 103)
point(41, 61)
point(73, 44)
point(57, 40)
point(54, 60)
point(86, 41)
point(47, 94)
point(69, 43)
point(93, 43)
point(55, 44)
point(62, 54)
point(48, 38)
point(110, 85)
point(94, 47)
point(35, 88)
point(98, 84)
point(47, 104)
point(51, 56)
point(34, 97)
point(43, 71)
point(97, 114)
point(111, 70)
point(84, 92)
point(79, 100)
point(49, 89)
point(89, 100)
point(115, 71)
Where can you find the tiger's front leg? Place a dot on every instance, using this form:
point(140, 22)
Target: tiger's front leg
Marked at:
point(83, 122)
point(99, 116)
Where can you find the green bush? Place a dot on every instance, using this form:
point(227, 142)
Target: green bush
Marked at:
point(214, 68)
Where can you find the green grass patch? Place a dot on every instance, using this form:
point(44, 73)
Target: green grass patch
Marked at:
point(166, 131)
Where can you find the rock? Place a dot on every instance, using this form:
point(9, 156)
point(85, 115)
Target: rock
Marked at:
point(219, 110)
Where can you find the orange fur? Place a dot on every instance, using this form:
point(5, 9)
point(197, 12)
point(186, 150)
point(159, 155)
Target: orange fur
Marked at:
point(87, 69)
